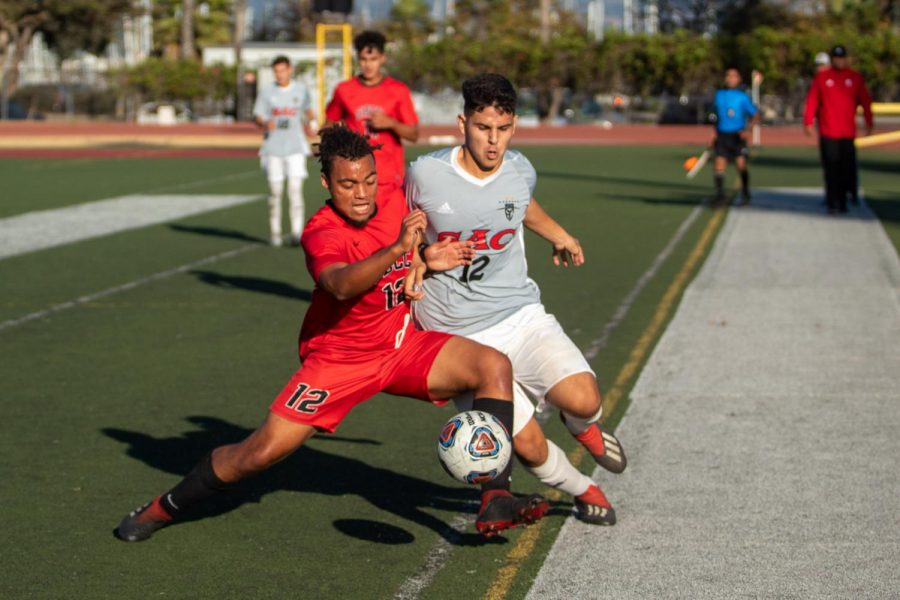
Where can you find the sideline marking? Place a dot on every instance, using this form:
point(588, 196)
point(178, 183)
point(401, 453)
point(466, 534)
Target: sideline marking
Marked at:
point(526, 542)
point(598, 344)
point(125, 286)
point(413, 586)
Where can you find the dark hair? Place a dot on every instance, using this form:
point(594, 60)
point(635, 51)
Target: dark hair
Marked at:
point(281, 60)
point(369, 39)
point(488, 89)
point(338, 141)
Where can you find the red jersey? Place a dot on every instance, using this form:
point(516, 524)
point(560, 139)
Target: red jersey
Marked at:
point(833, 97)
point(354, 103)
point(377, 318)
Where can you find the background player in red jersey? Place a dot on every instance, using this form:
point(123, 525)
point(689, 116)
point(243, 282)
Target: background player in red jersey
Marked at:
point(377, 106)
point(833, 96)
point(357, 340)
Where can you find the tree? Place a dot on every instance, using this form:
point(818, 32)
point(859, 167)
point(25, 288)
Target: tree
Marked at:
point(210, 24)
point(187, 30)
point(67, 25)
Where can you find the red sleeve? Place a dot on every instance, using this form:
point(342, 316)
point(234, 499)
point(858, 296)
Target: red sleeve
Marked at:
point(406, 112)
point(865, 100)
point(335, 110)
point(812, 102)
point(322, 249)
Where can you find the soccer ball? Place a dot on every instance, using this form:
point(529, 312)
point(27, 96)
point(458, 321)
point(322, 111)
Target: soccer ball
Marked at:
point(474, 447)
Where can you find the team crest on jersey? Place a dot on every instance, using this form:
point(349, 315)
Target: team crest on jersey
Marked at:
point(509, 207)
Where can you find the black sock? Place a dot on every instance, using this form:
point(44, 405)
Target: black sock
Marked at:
point(720, 182)
point(201, 483)
point(503, 410)
point(745, 181)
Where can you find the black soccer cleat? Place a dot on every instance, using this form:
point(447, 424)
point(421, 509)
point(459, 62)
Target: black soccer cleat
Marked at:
point(143, 522)
point(603, 446)
point(500, 510)
point(593, 507)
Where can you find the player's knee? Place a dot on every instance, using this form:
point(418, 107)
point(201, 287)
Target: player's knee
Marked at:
point(261, 456)
point(578, 395)
point(495, 369)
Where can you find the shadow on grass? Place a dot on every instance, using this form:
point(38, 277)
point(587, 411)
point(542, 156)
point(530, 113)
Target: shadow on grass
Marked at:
point(231, 234)
point(253, 284)
point(310, 470)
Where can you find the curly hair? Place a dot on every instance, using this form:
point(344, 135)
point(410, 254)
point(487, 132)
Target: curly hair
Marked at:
point(369, 39)
point(489, 89)
point(338, 141)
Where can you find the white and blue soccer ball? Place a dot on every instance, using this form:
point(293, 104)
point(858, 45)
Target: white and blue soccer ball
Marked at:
point(474, 447)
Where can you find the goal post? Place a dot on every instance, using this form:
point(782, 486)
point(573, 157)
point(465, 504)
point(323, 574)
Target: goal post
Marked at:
point(345, 30)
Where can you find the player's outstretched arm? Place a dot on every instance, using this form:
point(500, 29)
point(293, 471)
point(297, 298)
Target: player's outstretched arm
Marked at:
point(348, 280)
point(443, 255)
point(406, 131)
point(566, 249)
point(448, 254)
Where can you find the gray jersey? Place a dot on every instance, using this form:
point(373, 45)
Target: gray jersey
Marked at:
point(287, 107)
point(488, 211)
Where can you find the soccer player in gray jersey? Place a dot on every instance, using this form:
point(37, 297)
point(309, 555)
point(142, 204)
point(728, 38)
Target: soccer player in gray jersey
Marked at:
point(280, 110)
point(484, 193)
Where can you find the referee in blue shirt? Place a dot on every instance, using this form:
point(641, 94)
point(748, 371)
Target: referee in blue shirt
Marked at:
point(735, 115)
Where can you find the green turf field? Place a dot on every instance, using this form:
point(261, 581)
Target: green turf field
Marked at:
point(108, 402)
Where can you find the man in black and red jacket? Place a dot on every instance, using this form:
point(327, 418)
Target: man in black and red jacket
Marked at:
point(833, 96)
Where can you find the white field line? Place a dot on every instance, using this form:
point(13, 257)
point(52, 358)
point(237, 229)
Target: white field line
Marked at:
point(600, 342)
point(43, 229)
point(435, 559)
point(439, 553)
point(56, 308)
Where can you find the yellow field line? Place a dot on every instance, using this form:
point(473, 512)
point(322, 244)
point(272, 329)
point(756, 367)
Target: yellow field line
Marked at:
point(877, 139)
point(526, 542)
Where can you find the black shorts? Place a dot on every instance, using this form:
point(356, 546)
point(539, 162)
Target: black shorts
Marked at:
point(730, 145)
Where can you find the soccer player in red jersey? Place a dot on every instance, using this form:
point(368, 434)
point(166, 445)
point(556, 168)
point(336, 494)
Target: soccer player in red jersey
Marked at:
point(357, 340)
point(377, 106)
point(833, 96)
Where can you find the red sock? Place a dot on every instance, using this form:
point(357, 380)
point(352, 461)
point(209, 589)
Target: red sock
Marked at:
point(156, 512)
point(592, 439)
point(594, 495)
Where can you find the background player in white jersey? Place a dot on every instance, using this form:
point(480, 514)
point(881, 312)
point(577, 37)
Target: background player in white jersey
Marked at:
point(284, 111)
point(483, 193)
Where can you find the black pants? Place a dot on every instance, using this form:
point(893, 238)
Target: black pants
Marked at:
point(839, 163)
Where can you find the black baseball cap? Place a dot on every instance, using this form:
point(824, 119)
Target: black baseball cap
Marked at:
point(839, 51)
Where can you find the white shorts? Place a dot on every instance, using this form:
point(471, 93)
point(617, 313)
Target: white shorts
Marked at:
point(279, 167)
point(541, 353)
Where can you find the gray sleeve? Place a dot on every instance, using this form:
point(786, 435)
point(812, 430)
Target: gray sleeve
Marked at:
point(526, 170)
point(261, 106)
point(411, 187)
point(305, 102)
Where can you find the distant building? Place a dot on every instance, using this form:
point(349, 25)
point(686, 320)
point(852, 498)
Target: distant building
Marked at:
point(131, 43)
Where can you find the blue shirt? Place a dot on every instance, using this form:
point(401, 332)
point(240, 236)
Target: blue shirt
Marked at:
point(733, 109)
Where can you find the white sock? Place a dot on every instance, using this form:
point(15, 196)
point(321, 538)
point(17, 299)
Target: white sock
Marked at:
point(578, 425)
point(295, 197)
point(559, 473)
point(275, 189)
